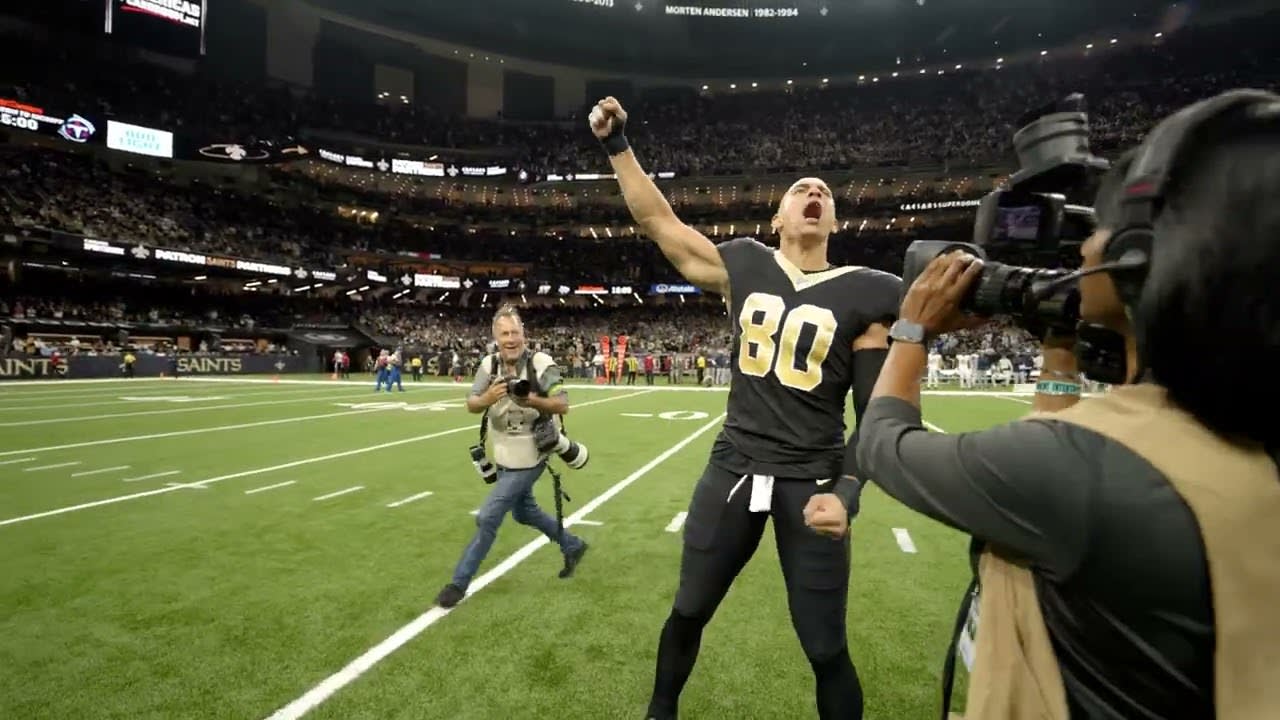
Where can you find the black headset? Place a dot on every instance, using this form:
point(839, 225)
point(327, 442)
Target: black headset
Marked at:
point(1127, 255)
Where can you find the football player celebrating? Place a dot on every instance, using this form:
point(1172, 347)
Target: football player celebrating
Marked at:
point(806, 332)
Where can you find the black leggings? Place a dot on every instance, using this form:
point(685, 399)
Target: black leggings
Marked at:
point(720, 536)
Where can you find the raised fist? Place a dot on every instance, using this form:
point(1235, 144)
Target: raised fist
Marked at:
point(606, 117)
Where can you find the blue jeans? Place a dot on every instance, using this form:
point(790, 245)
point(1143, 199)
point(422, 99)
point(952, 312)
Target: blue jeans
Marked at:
point(513, 492)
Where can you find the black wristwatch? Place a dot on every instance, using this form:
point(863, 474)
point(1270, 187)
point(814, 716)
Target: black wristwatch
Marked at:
point(907, 332)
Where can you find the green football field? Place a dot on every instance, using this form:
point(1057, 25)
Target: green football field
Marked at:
point(251, 549)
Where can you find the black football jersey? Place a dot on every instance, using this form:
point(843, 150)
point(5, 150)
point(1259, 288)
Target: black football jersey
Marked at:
point(793, 359)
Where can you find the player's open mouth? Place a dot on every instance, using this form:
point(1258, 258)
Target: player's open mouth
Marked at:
point(813, 211)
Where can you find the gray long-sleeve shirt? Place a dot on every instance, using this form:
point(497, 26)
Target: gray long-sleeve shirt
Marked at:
point(1119, 564)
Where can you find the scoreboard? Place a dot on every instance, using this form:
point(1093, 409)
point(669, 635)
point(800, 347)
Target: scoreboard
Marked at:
point(175, 27)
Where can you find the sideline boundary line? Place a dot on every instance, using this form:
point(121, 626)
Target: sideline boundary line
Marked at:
point(357, 667)
point(271, 468)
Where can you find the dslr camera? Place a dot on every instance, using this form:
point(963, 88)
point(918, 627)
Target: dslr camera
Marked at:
point(518, 387)
point(1038, 220)
point(484, 466)
point(548, 438)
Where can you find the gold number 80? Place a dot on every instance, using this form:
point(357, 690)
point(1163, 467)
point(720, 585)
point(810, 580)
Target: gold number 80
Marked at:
point(758, 352)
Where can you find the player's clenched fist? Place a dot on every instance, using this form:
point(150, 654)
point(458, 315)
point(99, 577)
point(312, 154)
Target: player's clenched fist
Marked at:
point(606, 117)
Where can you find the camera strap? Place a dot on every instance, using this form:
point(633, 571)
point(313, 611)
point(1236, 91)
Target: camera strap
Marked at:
point(561, 497)
point(962, 617)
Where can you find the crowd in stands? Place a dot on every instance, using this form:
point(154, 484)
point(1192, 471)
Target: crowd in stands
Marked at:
point(960, 117)
point(967, 116)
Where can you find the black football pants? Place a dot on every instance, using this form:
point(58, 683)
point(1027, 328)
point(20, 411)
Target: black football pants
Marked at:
point(720, 536)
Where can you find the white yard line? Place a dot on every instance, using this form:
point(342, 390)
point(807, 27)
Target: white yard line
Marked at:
point(271, 468)
point(357, 667)
point(201, 408)
point(933, 427)
point(16, 461)
point(904, 540)
point(153, 475)
point(270, 487)
point(51, 467)
point(99, 471)
point(410, 499)
point(177, 433)
point(143, 400)
point(677, 522)
point(357, 488)
point(593, 523)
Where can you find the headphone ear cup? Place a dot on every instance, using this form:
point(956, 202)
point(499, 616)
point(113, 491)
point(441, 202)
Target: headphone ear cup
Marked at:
point(1128, 281)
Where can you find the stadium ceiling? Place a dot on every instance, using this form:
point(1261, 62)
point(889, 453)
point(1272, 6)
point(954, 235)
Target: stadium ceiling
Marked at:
point(769, 38)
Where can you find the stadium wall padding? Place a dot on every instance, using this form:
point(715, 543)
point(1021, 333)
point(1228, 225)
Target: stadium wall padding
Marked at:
point(14, 368)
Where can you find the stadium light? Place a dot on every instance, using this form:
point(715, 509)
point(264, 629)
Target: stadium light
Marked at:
point(861, 78)
point(1089, 46)
point(959, 66)
point(999, 60)
point(922, 71)
point(351, 292)
point(1159, 35)
point(895, 74)
point(272, 281)
point(363, 288)
point(754, 84)
point(200, 277)
point(252, 284)
point(1043, 53)
point(304, 288)
point(826, 80)
point(875, 79)
point(637, 297)
point(790, 82)
point(704, 87)
point(733, 86)
point(1114, 41)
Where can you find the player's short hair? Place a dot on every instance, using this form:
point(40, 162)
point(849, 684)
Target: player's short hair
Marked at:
point(508, 311)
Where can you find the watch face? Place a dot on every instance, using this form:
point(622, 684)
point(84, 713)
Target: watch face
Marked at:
point(907, 332)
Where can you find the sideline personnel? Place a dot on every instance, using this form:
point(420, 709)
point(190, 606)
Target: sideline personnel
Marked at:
point(519, 463)
point(1128, 543)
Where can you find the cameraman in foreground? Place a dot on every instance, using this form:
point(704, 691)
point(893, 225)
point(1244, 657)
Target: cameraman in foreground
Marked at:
point(1125, 546)
point(522, 397)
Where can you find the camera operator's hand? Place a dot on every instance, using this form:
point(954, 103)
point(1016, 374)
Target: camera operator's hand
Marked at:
point(496, 392)
point(933, 301)
point(827, 515)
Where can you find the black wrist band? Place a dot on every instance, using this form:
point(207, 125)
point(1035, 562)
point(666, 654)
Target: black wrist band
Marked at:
point(616, 143)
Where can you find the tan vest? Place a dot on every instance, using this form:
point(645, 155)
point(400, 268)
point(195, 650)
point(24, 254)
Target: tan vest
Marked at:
point(1234, 493)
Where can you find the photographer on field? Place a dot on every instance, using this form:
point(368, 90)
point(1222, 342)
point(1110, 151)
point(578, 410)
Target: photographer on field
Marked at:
point(1125, 546)
point(522, 397)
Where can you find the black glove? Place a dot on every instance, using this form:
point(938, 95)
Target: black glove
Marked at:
point(615, 143)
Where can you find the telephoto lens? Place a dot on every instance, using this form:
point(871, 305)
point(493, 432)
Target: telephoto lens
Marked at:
point(483, 465)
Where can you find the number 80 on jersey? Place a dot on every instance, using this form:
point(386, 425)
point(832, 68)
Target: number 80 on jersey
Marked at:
point(759, 352)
